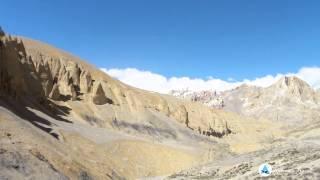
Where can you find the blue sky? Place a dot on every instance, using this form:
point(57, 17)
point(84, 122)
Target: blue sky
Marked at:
point(198, 39)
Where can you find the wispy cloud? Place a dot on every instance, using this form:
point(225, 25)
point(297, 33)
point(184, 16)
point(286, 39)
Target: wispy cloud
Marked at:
point(158, 83)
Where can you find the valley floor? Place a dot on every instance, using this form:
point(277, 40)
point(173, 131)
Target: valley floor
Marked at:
point(289, 159)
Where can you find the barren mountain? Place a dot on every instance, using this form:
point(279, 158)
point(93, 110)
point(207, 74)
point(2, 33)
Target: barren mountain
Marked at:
point(289, 94)
point(289, 100)
point(62, 118)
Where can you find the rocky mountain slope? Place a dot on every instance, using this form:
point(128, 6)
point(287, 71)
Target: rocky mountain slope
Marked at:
point(62, 118)
point(289, 100)
point(289, 94)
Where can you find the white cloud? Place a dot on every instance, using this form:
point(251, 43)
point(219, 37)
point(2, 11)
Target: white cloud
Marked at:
point(310, 75)
point(158, 83)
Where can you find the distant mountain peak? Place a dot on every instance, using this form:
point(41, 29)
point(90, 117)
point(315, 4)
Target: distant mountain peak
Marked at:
point(291, 82)
point(293, 88)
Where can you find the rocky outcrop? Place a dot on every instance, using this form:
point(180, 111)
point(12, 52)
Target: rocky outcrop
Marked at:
point(99, 96)
point(86, 82)
point(46, 79)
point(218, 131)
point(74, 93)
point(55, 93)
point(18, 76)
point(74, 72)
point(38, 74)
point(1, 32)
point(48, 74)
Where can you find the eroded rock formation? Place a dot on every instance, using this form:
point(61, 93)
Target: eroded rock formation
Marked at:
point(42, 75)
point(98, 96)
point(55, 93)
point(18, 76)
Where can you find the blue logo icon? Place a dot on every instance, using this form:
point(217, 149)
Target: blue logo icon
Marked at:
point(265, 169)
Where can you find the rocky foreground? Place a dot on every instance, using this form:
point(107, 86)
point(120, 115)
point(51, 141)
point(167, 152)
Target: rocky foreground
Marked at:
point(297, 156)
point(291, 161)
